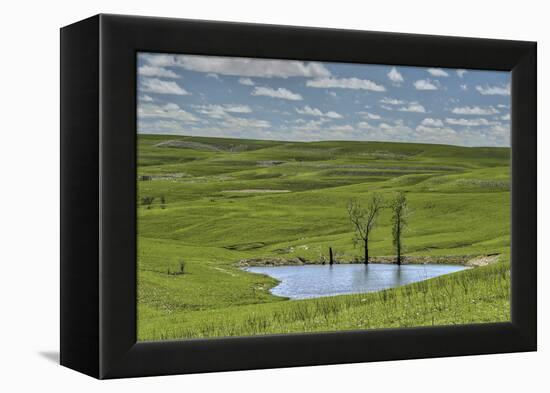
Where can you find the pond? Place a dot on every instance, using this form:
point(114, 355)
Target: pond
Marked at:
point(310, 281)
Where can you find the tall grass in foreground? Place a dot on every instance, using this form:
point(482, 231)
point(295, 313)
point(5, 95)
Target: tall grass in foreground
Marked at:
point(472, 296)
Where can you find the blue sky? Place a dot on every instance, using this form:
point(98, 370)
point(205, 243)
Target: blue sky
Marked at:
point(312, 101)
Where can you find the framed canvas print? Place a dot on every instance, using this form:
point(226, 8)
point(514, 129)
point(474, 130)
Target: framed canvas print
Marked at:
point(239, 196)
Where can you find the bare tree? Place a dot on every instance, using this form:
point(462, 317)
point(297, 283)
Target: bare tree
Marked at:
point(364, 219)
point(399, 221)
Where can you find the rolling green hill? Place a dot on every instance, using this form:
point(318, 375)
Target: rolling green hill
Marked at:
point(208, 203)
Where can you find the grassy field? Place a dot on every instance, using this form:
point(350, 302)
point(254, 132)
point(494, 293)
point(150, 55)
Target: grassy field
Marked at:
point(208, 203)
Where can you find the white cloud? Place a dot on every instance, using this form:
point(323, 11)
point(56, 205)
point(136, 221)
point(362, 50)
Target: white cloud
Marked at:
point(311, 125)
point(276, 93)
point(413, 107)
point(225, 114)
point(493, 136)
point(233, 122)
point(461, 72)
point(435, 134)
point(221, 111)
point(345, 83)
point(213, 76)
point(429, 122)
point(505, 117)
point(344, 127)
point(424, 84)
point(398, 132)
point(246, 81)
point(487, 90)
point(159, 127)
point(237, 108)
point(395, 76)
point(437, 72)
point(314, 130)
point(475, 110)
point(158, 86)
point(387, 132)
point(307, 110)
point(363, 124)
point(464, 87)
point(240, 66)
point(168, 111)
point(469, 122)
point(500, 129)
point(368, 115)
point(391, 101)
point(151, 71)
point(146, 98)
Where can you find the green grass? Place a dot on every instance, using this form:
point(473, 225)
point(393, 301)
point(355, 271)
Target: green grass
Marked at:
point(459, 200)
point(473, 296)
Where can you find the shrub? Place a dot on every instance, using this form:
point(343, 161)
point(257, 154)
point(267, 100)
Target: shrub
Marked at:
point(147, 201)
point(179, 271)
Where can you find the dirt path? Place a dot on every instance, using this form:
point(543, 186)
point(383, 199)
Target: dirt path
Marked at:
point(483, 260)
point(257, 191)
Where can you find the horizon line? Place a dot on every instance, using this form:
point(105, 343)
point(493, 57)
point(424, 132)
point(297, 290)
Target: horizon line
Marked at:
point(327, 140)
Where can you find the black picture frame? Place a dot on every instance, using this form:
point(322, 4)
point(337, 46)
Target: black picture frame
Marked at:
point(98, 196)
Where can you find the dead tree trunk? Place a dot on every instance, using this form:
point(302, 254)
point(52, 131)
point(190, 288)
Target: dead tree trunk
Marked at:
point(398, 243)
point(399, 254)
point(366, 252)
point(399, 221)
point(331, 256)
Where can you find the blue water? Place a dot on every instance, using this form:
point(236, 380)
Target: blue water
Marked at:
point(310, 281)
